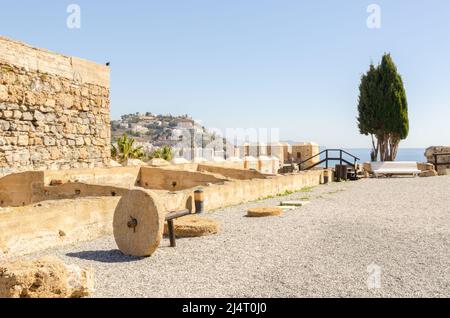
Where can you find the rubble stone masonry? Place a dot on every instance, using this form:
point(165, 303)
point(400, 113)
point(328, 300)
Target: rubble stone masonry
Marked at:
point(54, 110)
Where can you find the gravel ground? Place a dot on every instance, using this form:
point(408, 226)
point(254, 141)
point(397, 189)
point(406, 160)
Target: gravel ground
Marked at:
point(323, 249)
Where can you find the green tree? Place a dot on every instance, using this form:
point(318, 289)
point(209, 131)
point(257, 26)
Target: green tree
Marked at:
point(126, 149)
point(114, 152)
point(163, 153)
point(383, 109)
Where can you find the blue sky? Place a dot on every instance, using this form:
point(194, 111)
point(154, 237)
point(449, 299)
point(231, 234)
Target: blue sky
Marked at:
point(293, 65)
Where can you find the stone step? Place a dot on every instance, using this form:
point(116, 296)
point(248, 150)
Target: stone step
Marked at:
point(288, 207)
point(294, 203)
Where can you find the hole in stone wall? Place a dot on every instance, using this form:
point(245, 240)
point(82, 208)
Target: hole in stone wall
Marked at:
point(113, 193)
point(77, 192)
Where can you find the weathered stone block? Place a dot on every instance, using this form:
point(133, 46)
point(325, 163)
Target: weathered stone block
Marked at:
point(17, 114)
point(428, 173)
point(27, 116)
point(3, 93)
point(45, 278)
point(38, 116)
point(48, 141)
point(52, 108)
point(23, 140)
point(4, 125)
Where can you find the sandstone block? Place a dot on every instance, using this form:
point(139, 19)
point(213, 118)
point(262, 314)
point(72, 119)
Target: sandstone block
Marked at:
point(17, 114)
point(27, 116)
point(428, 173)
point(30, 98)
point(3, 93)
point(4, 125)
point(44, 278)
point(422, 166)
point(50, 103)
point(38, 116)
point(79, 141)
point(7, 113)
point(263, 211)
point(193, 226)
point(23, 140)
point(48, 141)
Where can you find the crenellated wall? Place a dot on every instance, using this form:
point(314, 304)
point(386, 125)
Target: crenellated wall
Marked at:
point(54, 110)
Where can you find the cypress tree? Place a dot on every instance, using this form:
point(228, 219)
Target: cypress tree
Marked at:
point(383, 109)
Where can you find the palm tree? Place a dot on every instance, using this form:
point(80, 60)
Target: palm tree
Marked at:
point(114, 152)
point(127, 150)
point(163, 153)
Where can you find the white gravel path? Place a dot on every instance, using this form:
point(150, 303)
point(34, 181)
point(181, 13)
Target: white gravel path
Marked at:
point(319, 250)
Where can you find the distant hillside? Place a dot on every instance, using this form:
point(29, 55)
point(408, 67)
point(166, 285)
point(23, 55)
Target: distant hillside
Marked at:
point(160, 130)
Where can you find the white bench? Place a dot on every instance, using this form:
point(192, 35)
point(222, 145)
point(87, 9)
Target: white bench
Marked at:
point(395, 168)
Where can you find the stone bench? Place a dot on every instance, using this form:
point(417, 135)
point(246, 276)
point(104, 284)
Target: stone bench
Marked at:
point(395, 168)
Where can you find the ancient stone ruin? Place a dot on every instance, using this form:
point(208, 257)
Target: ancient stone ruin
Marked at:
point(47, 277)
point(58, 185)
point(439, 156)
point(54, 110)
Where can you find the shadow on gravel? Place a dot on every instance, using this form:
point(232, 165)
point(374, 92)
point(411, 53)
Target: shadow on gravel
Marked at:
point(112, 256)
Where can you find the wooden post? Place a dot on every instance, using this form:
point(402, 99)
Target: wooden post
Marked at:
point(173, 242)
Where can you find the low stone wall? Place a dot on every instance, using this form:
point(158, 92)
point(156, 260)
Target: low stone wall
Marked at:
point(73, 211)
point(21, 189)
point(33, 228)
point(117, 176)
point(35, 186)
point(232, 173)
point(241, 191)
point(174, 180)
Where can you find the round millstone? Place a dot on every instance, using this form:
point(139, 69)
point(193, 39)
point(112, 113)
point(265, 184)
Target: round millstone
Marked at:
point(193, 226)
point(263, 211)
point(138, 224)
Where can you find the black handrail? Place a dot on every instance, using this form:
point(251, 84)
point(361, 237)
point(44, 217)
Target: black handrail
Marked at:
point(341, 159)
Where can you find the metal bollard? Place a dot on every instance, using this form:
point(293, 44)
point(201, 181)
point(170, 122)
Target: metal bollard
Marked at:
point(325, 176)
point(199, 199)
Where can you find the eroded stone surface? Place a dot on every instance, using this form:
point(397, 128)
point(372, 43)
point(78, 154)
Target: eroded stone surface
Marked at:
point(47, 277)
point(263, 211)
point(194, 226)
point(442, 159)
point(45, 104)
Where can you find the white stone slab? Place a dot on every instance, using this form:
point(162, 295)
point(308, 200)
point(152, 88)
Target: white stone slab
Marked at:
point(294, 203)
point(288, 207)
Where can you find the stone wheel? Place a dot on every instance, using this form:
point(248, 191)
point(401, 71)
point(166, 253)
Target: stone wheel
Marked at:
point(263, 211)
point(138, 224)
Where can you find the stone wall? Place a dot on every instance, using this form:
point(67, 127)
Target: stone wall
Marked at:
point(305, 151)
point(429, 154)
point(54, 110)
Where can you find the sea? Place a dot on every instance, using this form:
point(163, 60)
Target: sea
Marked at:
point(404, 154)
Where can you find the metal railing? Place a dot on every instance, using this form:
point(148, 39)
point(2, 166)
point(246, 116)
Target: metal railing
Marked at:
point(329, 158)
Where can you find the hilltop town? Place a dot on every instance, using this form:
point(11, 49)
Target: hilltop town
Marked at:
point(153, 131)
